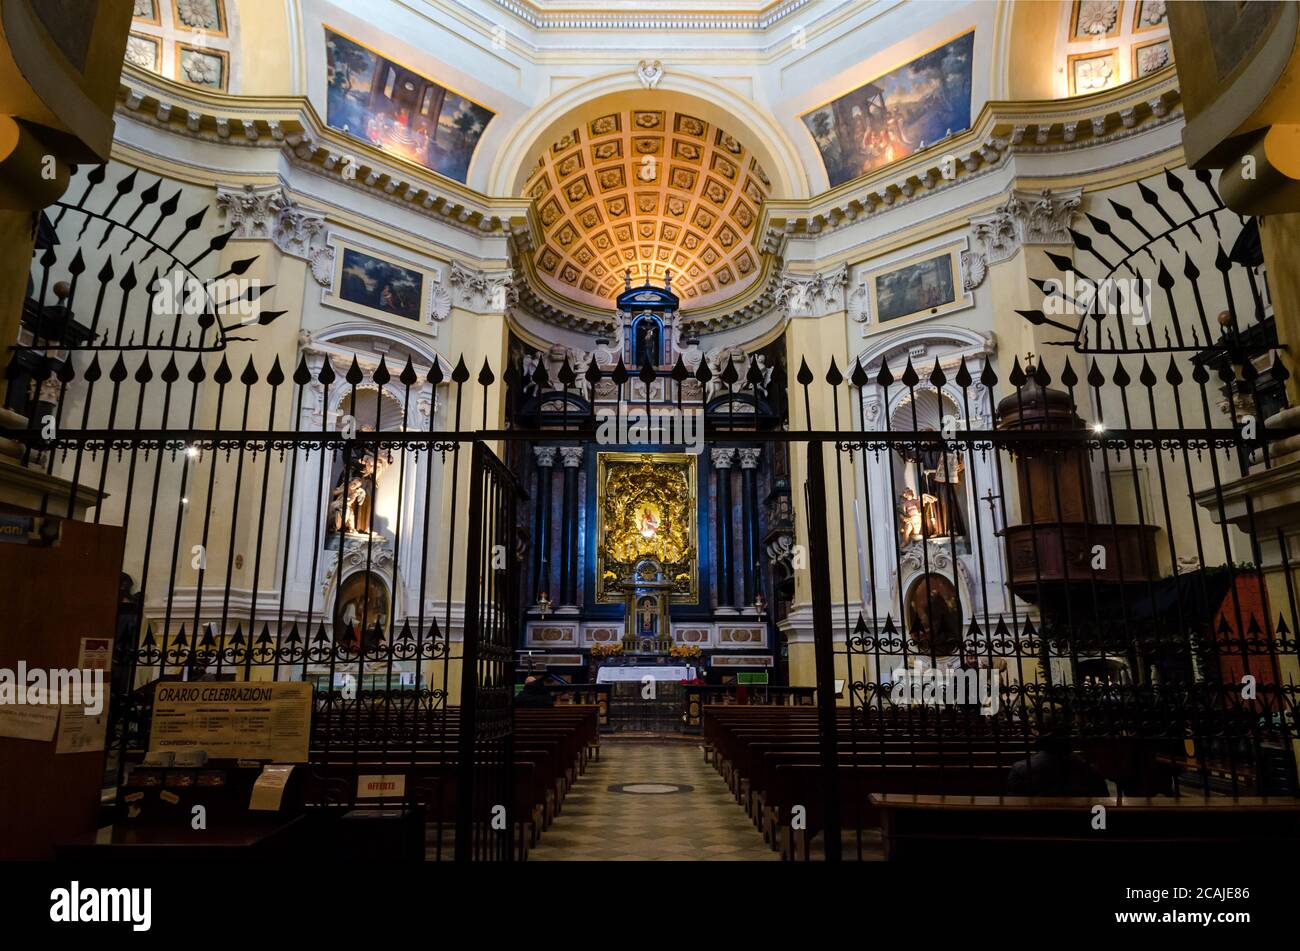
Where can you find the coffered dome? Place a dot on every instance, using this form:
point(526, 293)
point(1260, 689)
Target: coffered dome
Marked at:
point(647, 190)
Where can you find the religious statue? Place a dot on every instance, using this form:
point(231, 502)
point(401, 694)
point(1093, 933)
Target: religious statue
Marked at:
point(646, 621)
point(916, 514)
point(351, 507)
point(527, 369)
point(941, 473)
point(647, 343)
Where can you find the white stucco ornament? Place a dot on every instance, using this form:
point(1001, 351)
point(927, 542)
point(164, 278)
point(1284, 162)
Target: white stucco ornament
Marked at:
point(649, 72)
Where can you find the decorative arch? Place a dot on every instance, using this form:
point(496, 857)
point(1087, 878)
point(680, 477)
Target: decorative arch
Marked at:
point(712, 101)
point(418, 347)
point(964, 342)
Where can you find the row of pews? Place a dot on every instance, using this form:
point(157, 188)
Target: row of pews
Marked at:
point(551, 749)
point(922, 792)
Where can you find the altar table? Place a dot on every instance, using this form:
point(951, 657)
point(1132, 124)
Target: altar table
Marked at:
point(609, 674)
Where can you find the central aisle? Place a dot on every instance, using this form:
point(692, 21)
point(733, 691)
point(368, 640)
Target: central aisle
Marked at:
point(647, 801)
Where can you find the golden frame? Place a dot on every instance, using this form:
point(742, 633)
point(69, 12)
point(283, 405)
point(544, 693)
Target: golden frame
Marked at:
point(224, 55)
point(688, 462)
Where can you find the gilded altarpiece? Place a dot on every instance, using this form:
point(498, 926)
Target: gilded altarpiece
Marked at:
point(645, 507)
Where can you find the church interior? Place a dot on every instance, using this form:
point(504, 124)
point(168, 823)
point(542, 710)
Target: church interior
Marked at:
point(745, 430)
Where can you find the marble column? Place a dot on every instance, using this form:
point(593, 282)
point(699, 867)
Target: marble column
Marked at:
point(749, 480)
point(722, 460)
point(542, 535)
point(572, 458)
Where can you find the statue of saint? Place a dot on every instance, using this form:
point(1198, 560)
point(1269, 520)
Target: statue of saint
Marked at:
point(915, 514)
point(351, 507)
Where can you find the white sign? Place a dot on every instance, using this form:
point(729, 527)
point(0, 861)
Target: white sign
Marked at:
point(252, 720)
point(29, 721)
point(96, 653)
point(80, 732)
point(383, 786)
point(268, 790)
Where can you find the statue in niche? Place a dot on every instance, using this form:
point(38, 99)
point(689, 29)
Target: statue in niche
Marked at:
point(647, 342)
point(351, 508)
point(916, 515)
point(940, 476)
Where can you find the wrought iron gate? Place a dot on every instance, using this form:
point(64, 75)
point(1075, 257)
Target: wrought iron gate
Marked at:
point(485, 818)
point(1171, 655)
point(1114, 595)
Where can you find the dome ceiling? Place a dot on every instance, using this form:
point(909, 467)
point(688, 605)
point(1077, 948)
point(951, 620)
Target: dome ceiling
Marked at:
point(650, 191)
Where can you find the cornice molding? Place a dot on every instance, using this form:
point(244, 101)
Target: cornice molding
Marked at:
point(575, 19)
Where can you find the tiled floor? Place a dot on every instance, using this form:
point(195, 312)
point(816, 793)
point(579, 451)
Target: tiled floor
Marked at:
point(704, 824)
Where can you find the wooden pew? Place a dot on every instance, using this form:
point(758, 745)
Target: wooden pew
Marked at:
point(986, 828)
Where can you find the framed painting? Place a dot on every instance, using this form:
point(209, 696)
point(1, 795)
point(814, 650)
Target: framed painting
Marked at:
point(380, 285)
point(399, 111)
point(925, 286)
point(894, 115)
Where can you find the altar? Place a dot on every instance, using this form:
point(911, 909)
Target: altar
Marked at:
point(660, 672)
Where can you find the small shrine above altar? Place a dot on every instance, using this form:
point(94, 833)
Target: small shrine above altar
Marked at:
point(646, 627)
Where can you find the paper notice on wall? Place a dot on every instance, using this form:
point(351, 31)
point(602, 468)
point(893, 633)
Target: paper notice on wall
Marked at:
point(29, 721)
point(96, 653)
point(259, 721)
point(268, 790)
point(79, 731)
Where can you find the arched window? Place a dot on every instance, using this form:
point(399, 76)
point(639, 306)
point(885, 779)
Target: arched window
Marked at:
point(191, 41)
